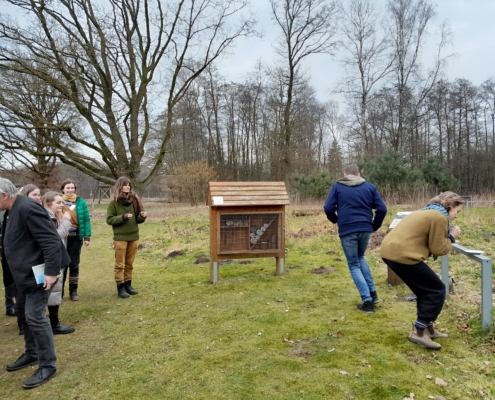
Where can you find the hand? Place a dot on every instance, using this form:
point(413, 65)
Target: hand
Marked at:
point(455, 231)
point(66, 216)
point(86, 243)
point(49, 282)
point(128, 216)
point(143, 214)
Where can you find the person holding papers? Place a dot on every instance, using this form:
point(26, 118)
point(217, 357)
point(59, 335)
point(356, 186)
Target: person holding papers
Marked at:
point(29, 243)
point(125, 212)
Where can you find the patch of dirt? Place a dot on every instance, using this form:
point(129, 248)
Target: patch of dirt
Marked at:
point(376, 240)
point(202, 260)
point(144, 246)
point(226, 262)
point(331, 252)
point(294, 267)
point(246, 262)
point(322, 270)
point(337, 260)
point(174, 254)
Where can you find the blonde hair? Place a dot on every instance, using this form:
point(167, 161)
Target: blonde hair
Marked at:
point(47, 200)
point(448, 200)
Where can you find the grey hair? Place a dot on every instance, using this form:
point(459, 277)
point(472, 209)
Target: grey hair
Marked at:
point(8, 188)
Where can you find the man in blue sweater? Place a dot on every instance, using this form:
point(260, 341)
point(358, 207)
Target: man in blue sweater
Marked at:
point(350, 204)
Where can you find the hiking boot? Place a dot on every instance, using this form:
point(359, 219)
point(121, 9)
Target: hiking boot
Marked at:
point(425, 340)
point(374, 297)
point(367, 307)
point(436, 334)
point(60, 329)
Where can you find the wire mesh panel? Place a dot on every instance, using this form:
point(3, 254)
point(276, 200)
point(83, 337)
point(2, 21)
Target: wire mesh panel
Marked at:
point(250, 232)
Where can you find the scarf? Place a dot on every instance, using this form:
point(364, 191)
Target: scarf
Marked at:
point(439, 207)
point(127, 199)
point(72, 198)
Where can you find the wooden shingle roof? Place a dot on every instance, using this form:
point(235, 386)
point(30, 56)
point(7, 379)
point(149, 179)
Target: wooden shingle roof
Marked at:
point(247, 194)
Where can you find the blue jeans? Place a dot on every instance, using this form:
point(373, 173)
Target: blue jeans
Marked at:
point(38, 336)
point(354, 246)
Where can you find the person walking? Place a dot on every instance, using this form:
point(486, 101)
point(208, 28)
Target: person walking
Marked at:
point(125, 212)
point(32, 256)
point(53, 203)
point(350, 205)
point(405, 250)
point(79, 234)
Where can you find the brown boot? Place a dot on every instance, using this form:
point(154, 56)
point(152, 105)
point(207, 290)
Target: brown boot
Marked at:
point(423, 340)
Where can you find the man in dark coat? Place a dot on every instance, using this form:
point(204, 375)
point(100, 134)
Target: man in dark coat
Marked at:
point(350, 204)
point(29, 239)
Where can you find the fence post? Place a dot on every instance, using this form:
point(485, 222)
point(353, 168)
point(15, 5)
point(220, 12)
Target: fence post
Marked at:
point(445, 273)
point(486, 293)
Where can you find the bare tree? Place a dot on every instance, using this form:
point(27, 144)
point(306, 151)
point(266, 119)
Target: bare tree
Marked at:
point(116, 62)
point(408, 27)
point(368, 61)
point(308, 27)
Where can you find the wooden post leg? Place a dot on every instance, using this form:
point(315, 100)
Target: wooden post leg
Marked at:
point(280, 266)
point(214, 271)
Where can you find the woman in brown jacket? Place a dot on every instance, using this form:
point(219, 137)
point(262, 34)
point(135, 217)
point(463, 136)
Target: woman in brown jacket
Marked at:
point(406, 248)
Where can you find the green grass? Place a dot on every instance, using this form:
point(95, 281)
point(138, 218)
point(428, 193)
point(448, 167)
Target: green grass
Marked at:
point(254, 335)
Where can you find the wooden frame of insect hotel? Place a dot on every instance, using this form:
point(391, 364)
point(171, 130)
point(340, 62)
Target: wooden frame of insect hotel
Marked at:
point(247, 220)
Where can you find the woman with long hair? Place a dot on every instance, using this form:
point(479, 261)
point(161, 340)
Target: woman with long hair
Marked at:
point(31, 191)
point(405, 250)
point(53, 203)
point(125, 211)
point(79, 233)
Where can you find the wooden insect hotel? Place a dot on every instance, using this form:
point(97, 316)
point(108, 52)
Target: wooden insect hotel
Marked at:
point(247, 220)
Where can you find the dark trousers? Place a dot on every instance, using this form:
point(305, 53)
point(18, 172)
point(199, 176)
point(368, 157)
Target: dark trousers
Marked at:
point(74, 246)
point(425, 284)
point(10, 295)
point(38, 337)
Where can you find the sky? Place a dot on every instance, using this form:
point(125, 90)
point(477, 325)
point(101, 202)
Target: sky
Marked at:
point(471, 22)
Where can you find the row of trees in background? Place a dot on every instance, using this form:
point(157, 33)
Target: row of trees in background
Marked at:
point(130, 88)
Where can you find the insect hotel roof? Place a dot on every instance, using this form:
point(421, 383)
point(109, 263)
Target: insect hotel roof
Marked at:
point(247, 194)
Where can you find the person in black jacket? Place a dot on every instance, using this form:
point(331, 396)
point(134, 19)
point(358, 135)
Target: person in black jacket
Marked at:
point(32, 256)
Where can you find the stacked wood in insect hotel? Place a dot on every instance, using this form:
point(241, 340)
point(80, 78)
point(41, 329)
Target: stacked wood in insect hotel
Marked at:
point(247, 220)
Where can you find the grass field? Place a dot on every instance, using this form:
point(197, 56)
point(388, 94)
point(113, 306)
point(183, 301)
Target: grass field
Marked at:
point(254, 335)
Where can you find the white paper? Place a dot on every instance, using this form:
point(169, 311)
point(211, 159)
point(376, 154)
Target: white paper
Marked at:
point(39, 273)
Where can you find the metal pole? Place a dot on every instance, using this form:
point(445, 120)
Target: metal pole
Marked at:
point(486, 293)
point(445, 273)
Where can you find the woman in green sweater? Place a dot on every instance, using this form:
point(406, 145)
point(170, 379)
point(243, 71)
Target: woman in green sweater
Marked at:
point(406, 248)
point(124, 213)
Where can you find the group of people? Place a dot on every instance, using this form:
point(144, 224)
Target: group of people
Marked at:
point(46, 233)
point(40, 242)
point(405, 249)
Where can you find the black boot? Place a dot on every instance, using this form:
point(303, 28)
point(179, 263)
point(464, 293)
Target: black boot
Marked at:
point(129, 289)
point(121, 291)
point(73, 292)
point(57, 327)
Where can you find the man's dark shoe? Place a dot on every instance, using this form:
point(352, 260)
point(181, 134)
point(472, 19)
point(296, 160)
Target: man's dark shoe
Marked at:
point(10, 313)
point(22, 362)
point(374, 297)
point(41, 376)
point(60, 329)
point(367, 307)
